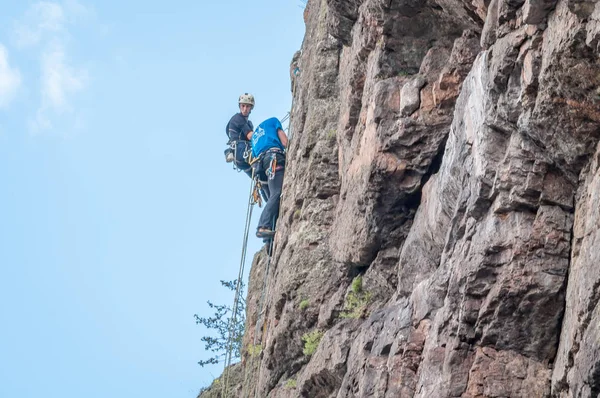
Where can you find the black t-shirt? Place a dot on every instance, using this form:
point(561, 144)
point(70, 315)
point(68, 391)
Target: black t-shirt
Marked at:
point(238, 127)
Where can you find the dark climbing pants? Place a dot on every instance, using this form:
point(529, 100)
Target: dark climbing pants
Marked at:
point(271, 210)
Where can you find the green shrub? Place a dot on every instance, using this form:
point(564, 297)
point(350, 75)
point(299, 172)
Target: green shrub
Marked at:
point(356, 300)
point(291, 383)
point(311, 342)
point(223, 327)
point(357, 284)
point(304, 304)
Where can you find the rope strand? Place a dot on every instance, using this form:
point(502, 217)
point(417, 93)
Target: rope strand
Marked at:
point(233, 319)
point(260, 319)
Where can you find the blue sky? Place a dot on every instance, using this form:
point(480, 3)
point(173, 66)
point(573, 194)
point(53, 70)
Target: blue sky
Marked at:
point(118, 215)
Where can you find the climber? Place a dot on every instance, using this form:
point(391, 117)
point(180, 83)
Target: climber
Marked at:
point(237, 130)
point(268, 145)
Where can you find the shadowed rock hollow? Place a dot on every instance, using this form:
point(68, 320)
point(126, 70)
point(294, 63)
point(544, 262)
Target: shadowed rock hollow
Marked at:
point(447, 152)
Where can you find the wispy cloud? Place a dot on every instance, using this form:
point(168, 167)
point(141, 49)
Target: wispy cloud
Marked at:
point(40, 20)
point(10, 79)
point(78, 12)
point(45, 26)
point(59, 79)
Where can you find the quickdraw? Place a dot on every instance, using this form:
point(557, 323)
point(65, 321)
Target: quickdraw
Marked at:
point(251, 159)
point(248, 155)
point(272, 167)
point(256, 197)
point(231, 154)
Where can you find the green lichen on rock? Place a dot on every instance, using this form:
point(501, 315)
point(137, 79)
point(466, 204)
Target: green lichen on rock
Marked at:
point(311, 342)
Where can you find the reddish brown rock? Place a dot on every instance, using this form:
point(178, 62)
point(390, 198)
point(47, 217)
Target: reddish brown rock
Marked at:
point(460, 183)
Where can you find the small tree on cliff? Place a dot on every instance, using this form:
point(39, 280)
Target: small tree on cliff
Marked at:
point(219, 323)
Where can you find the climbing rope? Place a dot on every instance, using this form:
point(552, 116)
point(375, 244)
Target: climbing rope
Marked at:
point(233, 320)
point(259, 322)
point(236, 300)
point(254, 197)
point(261, 319)
point(286, 129)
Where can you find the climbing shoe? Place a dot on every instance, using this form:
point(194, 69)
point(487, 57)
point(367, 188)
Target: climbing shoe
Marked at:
point(264, 233)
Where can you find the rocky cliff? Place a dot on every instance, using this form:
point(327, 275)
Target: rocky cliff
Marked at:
point(439, 234)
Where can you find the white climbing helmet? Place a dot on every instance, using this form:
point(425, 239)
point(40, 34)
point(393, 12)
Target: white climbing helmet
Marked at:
point(246, 99)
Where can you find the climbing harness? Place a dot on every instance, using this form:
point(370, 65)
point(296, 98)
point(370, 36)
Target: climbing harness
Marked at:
point(239, 153)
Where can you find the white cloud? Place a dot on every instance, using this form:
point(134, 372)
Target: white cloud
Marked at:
point(59, 82)
point(41, 20)
point(10, 79)
point(77, 11)
point(59, 79)
point(45, 27)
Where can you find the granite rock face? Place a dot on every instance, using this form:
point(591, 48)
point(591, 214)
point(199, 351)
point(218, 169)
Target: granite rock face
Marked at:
point(440, 222)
